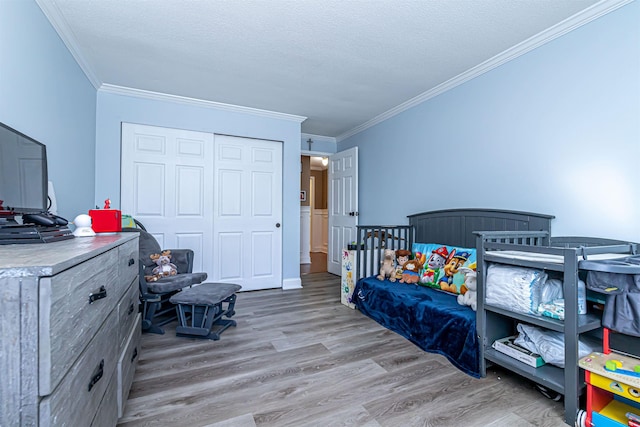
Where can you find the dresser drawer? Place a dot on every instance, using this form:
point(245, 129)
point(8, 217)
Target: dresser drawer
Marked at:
point(127, 364)
point(128, 263)
point(73, 305)
point(76, 399)
point(127, 313)
point(107, 414)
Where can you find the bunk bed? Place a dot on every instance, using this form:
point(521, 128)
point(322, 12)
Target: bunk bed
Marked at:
point(431, 319)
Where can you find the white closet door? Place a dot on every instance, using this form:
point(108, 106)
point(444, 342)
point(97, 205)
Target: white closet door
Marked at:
point(167, 178)
point(247, 239)
point(343, 205)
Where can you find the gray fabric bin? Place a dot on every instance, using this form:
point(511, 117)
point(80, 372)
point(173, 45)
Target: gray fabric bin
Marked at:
point(620, 281)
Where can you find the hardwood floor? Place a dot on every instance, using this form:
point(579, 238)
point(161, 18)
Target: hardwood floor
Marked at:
point(300, 358)
point(318, 264)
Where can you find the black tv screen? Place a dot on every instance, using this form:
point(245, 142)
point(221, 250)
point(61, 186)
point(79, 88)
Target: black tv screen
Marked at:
point(23, 174)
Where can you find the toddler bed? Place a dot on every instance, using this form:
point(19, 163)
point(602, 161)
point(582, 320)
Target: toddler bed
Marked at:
point(430, 318)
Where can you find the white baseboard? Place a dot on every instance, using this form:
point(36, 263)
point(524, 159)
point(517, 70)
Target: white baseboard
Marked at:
point(305, 259)
point(295, 283)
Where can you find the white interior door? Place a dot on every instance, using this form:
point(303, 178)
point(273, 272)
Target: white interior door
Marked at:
point(343, 205)
point(166, 181)
point(247, 240)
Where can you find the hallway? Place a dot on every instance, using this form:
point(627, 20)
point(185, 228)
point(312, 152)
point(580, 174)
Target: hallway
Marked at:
point(318, 264)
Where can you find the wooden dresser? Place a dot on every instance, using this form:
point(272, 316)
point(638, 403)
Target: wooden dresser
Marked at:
point(69, 330)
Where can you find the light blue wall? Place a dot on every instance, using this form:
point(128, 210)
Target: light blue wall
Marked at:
point(320, 144)
point(45, 95)
point(113, 109)
point(555, 131)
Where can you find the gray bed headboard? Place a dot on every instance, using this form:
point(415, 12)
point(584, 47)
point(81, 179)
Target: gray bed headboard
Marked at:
point(455, 227)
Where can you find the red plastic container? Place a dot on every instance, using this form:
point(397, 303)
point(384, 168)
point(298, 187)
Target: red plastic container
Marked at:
point(106, 220)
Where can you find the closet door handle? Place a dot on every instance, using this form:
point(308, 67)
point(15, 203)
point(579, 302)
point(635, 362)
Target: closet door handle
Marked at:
point(131, 262)
point(102, 293)
point(131, 308)
point(134, 355)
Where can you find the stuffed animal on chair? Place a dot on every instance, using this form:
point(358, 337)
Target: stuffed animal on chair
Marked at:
point(470, 282)
point(388, 266)
point(164, 265)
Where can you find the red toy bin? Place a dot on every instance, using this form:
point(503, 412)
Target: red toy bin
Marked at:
point(106, 220)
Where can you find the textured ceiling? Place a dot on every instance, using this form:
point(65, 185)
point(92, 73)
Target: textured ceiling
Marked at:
point(340, 63)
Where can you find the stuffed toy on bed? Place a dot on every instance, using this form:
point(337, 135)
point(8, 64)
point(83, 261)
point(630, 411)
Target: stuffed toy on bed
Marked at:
point(411, 271)
point(402, 256)
point(388, 266)
point(470, 297)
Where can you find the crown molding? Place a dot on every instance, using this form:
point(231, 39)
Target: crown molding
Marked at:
point(59, 24)
point(579, 19)
point(156, 96)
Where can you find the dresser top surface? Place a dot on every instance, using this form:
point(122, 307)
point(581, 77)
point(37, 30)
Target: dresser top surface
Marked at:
point(46, 259)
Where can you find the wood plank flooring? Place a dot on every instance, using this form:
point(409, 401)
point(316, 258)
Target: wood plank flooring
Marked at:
point(300, 358)
point(318, 264)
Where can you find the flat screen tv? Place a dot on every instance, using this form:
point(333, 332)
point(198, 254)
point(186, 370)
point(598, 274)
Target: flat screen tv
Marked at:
point(23, 174)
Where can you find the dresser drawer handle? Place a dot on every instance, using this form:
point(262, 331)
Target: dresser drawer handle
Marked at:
point(131, 308)
point(98, 375)
point(102, 293)
point(131, 262)
point(134, 355)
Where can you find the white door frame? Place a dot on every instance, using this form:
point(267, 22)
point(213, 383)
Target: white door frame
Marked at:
point(306, 214)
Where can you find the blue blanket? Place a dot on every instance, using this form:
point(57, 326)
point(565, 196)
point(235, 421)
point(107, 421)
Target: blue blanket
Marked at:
point(431, 319)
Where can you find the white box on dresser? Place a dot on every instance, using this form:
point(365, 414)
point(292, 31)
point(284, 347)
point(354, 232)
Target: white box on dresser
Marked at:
point(69, 330)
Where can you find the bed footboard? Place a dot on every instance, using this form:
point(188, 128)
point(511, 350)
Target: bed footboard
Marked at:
point(374, 239)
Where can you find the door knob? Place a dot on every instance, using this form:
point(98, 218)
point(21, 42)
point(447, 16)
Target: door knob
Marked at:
point(277, 225)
